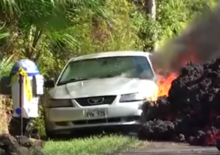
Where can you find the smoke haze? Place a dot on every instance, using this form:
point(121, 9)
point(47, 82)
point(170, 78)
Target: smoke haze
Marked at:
point(201, 39)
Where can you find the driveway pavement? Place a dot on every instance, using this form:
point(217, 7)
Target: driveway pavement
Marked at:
point(165, 148)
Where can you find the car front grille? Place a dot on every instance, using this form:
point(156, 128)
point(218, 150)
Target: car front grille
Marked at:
point(96, 121)
point(98, 100)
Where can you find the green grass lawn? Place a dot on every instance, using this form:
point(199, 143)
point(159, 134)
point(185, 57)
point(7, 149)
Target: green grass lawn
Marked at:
point(97, 145)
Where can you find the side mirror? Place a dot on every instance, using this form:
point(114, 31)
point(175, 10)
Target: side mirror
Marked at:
point(49, 84)
point(5, 87)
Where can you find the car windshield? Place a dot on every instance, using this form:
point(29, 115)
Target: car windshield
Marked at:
point(107, 67)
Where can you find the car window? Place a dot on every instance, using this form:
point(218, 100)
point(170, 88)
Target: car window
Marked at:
point(127, 66)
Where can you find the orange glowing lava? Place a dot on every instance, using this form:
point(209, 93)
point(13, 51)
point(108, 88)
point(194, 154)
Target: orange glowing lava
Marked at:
point(164, 83)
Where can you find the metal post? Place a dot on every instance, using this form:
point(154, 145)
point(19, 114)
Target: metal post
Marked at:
point(21, 102)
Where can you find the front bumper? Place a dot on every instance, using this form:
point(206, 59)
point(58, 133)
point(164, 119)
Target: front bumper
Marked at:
point(73, 118)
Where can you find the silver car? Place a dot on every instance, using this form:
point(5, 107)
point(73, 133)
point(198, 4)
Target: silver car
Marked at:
point(100, 90)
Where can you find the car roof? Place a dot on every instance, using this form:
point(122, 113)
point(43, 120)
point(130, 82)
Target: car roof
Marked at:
point(110, 54)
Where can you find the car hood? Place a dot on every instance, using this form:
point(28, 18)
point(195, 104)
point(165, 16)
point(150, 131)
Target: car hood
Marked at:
point(100, 87)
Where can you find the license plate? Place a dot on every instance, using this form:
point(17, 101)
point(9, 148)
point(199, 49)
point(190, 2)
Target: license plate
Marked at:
point(96, 113)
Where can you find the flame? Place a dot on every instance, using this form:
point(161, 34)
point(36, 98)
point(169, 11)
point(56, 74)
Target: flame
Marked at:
point(164, 83)
point(188, 57)
point(165, 79)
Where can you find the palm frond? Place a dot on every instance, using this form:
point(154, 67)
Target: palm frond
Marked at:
point(5, 65)
point(3, 33)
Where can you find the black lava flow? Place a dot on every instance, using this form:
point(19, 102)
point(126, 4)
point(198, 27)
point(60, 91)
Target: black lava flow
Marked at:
point(191, 112)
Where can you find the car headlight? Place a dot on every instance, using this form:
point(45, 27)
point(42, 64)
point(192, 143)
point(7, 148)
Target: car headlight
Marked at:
point(58, 103)
point(131, 97)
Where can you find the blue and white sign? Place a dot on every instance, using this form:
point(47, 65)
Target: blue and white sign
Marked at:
point(29, 66)
point(18, 111)
point(32, 88)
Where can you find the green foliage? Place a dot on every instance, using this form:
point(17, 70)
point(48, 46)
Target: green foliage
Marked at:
point(96, 33)
point(3, 34)
point(40, 22)
point(174, 15)
point(39, 122)
point(6, 64)
point(148, 33)
point(120, 30)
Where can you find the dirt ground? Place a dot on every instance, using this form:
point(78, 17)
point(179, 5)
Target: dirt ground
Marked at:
point(165, 148)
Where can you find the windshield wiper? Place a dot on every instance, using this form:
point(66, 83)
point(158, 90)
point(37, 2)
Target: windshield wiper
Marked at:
point(72, 80)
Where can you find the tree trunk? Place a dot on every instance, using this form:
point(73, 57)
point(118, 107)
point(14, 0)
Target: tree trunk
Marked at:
point(150, 6)
point(150, 9)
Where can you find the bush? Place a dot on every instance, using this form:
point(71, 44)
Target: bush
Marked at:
point(6, 116)
point(5, 113)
